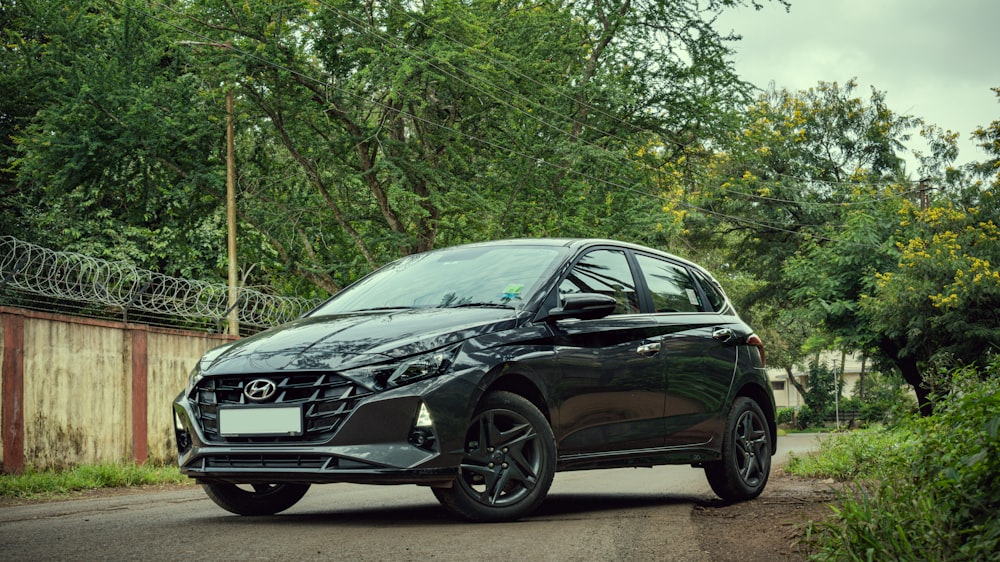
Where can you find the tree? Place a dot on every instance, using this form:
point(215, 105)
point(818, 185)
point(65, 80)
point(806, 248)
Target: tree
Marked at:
point(814, 201)
point(113, 142)
point(989, 140)
point(400, 119)
point(941, 300)
point(798, 164)
point(823, 385)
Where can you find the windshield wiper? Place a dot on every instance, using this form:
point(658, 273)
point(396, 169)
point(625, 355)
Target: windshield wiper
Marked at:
point(479, 305)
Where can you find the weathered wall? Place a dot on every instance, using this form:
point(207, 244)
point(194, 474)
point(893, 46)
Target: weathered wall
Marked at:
point(75, 396)
point(171, 358)
point(82, 391)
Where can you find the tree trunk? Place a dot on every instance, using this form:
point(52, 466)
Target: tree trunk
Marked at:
point(911, 374)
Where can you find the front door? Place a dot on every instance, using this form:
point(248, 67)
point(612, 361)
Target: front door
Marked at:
point(612, 376)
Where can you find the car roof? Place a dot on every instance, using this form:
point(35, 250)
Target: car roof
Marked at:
point(577, 244)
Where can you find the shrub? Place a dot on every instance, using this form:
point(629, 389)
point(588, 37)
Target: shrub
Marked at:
point(930, 490)
point(883, 399)
point(809, 417)
point(785, 416)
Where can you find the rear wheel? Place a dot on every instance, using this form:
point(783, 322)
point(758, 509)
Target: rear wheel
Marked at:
point(746, 454)
point(255, 499)
point(509, 462)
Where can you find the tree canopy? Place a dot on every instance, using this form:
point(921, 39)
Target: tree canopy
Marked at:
point(370, 130)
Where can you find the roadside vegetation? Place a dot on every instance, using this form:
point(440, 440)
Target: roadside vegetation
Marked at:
point(924, 488)
point(52, 484)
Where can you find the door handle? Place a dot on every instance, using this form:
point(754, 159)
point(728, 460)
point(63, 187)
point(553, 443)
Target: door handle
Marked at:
point(722, 334)
point(648, 349)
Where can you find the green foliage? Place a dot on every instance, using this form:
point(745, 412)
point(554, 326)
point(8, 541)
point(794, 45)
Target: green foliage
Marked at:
point(823, 383)
point(363, 131)
point(939, 298)
point(988, 138)
point(785, 416)
point(859, 454)
point(786, 186)
point(882, 399)
point(111, 137)
point(925, 490)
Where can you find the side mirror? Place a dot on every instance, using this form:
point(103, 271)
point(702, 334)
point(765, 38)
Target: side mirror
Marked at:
point(583, 306)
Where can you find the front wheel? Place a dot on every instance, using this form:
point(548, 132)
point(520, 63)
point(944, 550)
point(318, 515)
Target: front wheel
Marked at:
point(742, 472)
point(260, 499)
point(508, 465)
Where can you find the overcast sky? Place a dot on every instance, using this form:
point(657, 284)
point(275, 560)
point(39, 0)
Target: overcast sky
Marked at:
point(935, 59)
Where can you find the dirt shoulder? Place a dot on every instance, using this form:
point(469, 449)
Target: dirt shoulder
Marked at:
point(771, 528)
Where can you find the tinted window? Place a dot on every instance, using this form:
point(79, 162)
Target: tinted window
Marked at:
point(712, 291)
point(670, 286)
point(605, 272)
point(463, 276)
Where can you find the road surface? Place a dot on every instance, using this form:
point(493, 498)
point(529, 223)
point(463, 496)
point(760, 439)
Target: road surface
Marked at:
point(619, 514)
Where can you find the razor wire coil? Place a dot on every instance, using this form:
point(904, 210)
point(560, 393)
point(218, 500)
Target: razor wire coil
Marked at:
point(42, 274)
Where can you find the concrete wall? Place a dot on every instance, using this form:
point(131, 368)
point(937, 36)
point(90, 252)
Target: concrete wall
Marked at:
point(81, 391)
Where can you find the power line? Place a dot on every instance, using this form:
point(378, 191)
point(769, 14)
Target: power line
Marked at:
point(802, 203)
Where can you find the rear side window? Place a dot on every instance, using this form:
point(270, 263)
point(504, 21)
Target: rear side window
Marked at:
point(605, 272)
point(670, 286)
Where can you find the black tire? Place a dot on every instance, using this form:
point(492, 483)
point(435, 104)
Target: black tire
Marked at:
point(742, 472)
point(264, 499)
point(508, 465)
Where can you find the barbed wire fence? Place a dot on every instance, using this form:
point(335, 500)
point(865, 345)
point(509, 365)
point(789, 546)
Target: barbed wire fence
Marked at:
point(39, 278)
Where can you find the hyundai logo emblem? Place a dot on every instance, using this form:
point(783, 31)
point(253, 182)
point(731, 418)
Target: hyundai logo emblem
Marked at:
point(259, 390)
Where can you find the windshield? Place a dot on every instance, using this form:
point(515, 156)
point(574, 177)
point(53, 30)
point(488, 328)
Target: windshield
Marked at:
point(461, 276)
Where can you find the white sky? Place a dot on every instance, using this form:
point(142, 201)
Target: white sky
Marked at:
point(934, 59)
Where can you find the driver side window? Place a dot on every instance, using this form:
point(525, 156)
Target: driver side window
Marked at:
point(604, 272)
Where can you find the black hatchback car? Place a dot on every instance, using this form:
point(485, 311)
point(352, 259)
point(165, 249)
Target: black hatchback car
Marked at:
point(480, 371)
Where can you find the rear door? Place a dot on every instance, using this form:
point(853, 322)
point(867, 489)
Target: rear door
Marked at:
point(697, 349)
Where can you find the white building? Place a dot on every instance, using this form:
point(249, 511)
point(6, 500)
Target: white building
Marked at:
point(785, 393)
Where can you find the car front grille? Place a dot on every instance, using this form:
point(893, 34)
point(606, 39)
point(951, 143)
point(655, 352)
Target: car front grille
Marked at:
point(284, 462)
point(326, 400)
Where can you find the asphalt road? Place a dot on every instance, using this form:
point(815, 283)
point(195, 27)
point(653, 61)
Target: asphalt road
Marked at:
point(620, 514)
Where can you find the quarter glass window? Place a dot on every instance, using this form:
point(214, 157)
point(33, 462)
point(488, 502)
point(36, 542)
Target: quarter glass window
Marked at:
point(713, 292)
point(670, 286)
point(605, 272)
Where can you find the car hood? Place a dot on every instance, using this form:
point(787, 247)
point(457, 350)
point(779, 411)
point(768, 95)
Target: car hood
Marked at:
point(354, 340)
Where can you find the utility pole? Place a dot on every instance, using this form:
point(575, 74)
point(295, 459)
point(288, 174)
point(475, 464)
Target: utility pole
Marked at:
point(925, 200)
point(234, 313)
point(233, 296)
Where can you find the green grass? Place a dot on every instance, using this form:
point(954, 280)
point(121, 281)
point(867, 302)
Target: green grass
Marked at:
point(49, 484)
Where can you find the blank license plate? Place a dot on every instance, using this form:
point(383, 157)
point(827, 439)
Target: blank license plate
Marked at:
point(280, 420)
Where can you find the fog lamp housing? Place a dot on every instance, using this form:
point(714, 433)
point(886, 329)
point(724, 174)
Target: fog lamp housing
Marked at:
point(182, 434)
point(422, 432)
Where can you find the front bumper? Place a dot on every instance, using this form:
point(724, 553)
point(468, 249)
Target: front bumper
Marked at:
point(375, 440)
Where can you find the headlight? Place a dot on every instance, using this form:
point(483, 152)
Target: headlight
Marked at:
point(405, 371)
point(194, 377)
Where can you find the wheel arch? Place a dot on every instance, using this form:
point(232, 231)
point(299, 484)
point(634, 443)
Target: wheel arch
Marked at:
point(521, 385)
point(763, 399)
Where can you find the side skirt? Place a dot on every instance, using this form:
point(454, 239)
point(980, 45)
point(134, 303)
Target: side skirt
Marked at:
point(688, 454)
